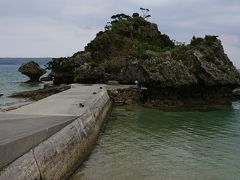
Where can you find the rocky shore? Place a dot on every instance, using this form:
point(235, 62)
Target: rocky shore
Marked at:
point(126, 95)
point(132, 48)
point(27, 97)
point(35, 95)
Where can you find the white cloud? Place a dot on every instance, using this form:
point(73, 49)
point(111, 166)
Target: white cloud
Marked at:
point(42, 38)
point(62, 27)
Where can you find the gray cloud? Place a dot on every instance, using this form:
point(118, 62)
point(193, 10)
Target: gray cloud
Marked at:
point(62, 27)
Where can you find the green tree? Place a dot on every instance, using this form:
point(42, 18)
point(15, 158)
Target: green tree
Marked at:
point(145, 12)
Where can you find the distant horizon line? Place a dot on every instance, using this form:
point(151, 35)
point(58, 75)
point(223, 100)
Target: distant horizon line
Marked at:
point(24, 57)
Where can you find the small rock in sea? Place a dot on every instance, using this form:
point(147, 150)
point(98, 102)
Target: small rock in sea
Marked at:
point(81, 105)
point(100, 87)
point(94, 93)
point(32, 70)
point(1, 95)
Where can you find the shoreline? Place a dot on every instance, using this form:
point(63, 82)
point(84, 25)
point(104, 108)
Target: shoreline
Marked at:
point(27, 97)
point(120, 95)
point(99, 98)
point(14, 105)
point(57, 124)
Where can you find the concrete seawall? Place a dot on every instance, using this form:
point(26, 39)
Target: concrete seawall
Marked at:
point(54, 146)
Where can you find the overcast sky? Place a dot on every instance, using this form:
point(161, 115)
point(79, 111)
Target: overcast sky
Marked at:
point(54, 28)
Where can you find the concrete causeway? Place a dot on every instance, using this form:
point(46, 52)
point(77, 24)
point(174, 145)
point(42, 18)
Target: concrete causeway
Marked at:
point(19, 133)
point(66, 103)
point(48, 138)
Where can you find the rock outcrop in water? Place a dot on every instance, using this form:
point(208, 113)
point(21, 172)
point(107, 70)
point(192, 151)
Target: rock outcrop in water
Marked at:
point(32, 70)
point(38, 94)
point(133, 48)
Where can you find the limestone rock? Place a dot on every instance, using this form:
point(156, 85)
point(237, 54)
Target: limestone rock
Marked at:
point(236, 92)
point(32, 70)
point(132, 48)
point(89, 74)
point(197, 65)
point(127, 96)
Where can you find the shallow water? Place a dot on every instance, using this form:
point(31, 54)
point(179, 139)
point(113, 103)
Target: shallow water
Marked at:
point(142, 143)
point(12, 81)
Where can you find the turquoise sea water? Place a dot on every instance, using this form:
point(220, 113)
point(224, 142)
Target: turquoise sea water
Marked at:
point(141, 143)
point(12, 81)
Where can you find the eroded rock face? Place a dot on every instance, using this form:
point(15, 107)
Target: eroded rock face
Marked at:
point(65, 70)
point(127, 96)
point(203, 63)
point(88, 74)
point(157, 73)
point(32, 70)
point(185, 75)
point(198, 74)
point(132, 48)
point(199, 65)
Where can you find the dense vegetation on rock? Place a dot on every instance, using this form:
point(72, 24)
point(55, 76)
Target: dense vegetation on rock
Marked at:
point(124, 38)
point(133, 48)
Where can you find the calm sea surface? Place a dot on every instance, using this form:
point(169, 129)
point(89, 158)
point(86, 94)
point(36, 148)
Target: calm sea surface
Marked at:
point(12, 81)
point(142, 143)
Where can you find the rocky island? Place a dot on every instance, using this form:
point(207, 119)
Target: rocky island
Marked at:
point(50, 138)
point(133, 48)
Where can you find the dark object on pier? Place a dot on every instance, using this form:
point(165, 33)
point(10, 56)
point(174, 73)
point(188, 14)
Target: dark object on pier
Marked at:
point(81, 105)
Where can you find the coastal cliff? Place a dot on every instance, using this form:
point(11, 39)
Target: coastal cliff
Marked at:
point(133, 48)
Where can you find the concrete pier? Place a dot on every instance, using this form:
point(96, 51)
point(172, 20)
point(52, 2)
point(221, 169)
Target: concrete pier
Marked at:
point(49, 138)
